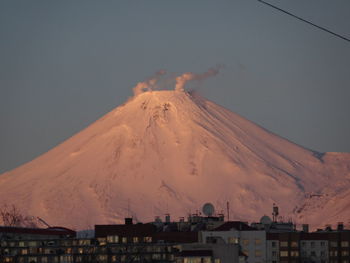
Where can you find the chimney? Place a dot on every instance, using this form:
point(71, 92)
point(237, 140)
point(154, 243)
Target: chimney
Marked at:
point(128, 221)
point(167, 218)
point(340, 226)
point(306, 228)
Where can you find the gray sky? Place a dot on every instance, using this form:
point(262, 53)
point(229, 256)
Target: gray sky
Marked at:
point(64, 64)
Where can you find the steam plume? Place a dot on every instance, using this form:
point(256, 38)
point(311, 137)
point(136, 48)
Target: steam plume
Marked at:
point(188, 76)
point(149, 83)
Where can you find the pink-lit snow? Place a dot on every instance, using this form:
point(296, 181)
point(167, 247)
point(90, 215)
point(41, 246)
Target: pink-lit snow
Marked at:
point(171, 152)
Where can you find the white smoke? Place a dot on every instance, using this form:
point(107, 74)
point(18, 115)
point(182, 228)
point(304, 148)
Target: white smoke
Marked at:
point(180, 81)
point(188, 76)
point(148, 84)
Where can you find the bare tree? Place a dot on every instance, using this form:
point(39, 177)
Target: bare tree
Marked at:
point(10, 215)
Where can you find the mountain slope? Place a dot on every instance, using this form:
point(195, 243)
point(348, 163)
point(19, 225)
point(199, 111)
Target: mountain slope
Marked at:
point(168, 151)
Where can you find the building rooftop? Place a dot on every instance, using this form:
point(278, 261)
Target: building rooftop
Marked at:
point(131, 230)
point(38, 231)
point(238, 225)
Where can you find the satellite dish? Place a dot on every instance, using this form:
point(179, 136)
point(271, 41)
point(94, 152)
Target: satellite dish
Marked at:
point(265, 220)
point(208, 209)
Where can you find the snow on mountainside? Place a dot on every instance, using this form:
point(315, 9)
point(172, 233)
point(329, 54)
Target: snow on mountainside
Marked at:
point(172, 151)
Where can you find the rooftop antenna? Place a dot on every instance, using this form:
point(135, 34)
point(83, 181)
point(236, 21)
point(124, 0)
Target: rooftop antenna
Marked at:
point(228, 210)
point(128, 207)
point(275, 212)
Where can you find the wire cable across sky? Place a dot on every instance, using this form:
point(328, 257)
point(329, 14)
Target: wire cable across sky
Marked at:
point(306, 21)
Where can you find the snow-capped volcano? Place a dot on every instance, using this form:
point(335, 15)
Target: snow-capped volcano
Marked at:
point(170, 152)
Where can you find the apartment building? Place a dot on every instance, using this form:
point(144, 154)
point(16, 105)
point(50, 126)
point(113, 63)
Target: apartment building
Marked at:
point(322, 246)
point(251, 241)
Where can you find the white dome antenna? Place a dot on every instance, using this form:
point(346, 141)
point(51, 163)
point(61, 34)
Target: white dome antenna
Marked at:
point(208, 209)
point(265, 220)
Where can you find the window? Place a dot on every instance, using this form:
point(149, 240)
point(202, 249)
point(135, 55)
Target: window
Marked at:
point(334, 244)
point(294, 253)
point(273, 243)
point(284, 253)
point(313, 253)
point(102, 257)
point(135, 239)
point(124, 240)
point(323, 243)
point(32, 250)
point(31, 244)
point(66, 259)
point(294, 244)
point(102, 241)
point(303, 244)
point(284, 244)
point(323, 253)
point(245, 242)
point(344, 243)
point(333, 253)
point(84, 242)
point(258, 253)
point(312, 244)
point(274, 253)
point(157, 257)
point(345, 253)
point(66, 243)
point(147, 239)
point(112, 239)
point(233, 240)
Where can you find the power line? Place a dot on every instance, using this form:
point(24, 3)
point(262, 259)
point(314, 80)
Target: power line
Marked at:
point(306, 21)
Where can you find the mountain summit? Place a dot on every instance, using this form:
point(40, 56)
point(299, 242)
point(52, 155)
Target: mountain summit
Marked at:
point(170, 152)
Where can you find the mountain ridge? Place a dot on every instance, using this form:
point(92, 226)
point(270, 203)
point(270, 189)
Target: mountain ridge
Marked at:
point(169, 151)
